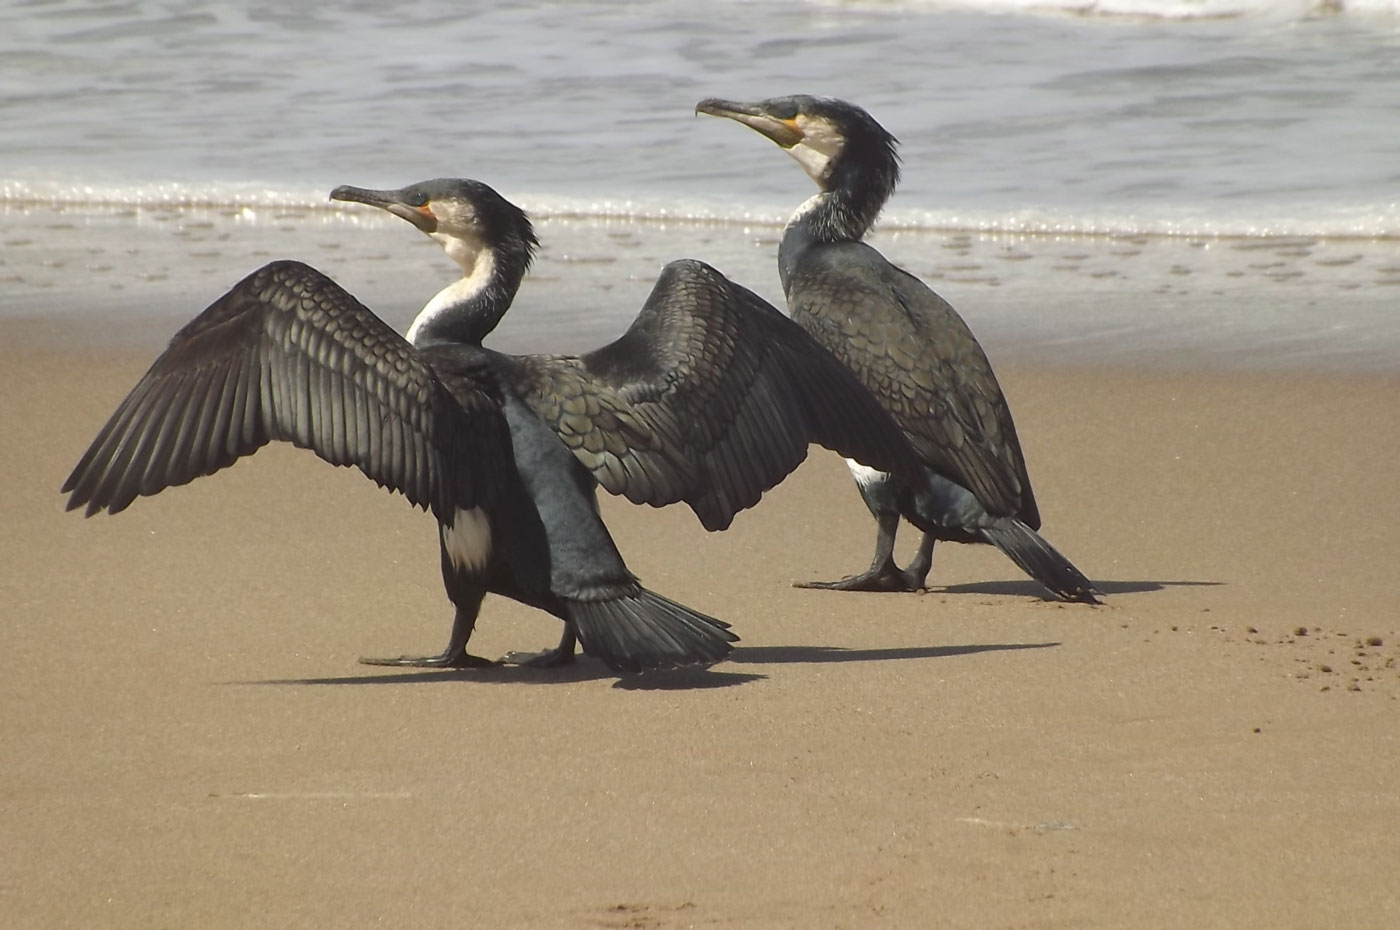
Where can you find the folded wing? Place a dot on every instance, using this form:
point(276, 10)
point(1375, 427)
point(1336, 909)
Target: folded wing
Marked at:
point(915, 354)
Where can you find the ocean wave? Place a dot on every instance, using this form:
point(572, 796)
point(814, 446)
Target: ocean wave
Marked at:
point(1174, 10)
point(155, 195)
point(253, 203)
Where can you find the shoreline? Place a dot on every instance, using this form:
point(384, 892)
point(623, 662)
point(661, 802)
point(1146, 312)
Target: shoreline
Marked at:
point(1131, 301)
point(246, 202)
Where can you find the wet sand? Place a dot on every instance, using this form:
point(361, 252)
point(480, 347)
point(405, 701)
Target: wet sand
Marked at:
point(131, 275)
point(189, 741)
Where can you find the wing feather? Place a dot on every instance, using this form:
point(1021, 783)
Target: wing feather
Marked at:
point(221, 412)
point(288, 355)
point(707, 398)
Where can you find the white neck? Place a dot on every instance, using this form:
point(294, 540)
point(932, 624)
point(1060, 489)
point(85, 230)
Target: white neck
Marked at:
point(478, 263)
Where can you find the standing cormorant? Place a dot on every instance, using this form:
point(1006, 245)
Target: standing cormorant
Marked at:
point(707, 398)
point(908, 346)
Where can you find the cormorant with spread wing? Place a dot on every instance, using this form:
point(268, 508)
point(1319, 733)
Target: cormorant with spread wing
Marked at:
point(710, 397)
point(908, 346)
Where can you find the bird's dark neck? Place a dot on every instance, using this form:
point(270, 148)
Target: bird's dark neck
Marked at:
point(468, 309)
point(843, 211)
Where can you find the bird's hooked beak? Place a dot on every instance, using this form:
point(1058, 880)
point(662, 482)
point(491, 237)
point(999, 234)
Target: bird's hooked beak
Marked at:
point(399, 202)
point(782, 131)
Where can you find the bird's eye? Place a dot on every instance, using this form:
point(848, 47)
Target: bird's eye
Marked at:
point(783, 109)
point(416, 199)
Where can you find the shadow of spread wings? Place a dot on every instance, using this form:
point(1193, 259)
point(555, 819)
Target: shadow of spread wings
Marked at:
point(288, 354)
point(913, 351)
point(710, 397)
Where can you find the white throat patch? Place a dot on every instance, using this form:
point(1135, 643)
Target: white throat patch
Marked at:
point(467, 541)
point(821, 143)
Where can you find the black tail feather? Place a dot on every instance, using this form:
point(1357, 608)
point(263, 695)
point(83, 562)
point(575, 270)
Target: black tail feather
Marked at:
point(645, 631)
point(1040, 560)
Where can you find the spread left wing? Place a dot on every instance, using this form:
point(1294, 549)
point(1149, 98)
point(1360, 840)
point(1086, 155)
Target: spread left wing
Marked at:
point(288, 355)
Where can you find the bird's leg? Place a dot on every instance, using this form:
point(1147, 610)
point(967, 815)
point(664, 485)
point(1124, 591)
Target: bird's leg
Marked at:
point(883, 574)
point(916, 572)
point(561, 655)
point(455, 655)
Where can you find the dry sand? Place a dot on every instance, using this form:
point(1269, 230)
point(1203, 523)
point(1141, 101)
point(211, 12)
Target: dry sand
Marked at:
point(189, 742)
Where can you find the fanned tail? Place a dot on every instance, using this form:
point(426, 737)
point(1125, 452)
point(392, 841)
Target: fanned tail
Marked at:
point(1040, 560)
point(644, 632)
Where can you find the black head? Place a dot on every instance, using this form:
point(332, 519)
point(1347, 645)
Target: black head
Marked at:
point(489, 238)
point(461, 214)
point(837, 143)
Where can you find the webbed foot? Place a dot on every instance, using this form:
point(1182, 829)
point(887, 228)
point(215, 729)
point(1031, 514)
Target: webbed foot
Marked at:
point(558, 657)
point(549, 658)
point(885, 579)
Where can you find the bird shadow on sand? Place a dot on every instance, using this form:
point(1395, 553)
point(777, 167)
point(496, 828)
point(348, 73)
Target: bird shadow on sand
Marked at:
point(1034, 589)
point(684, 679)
point(581, 669)
point(781, 655)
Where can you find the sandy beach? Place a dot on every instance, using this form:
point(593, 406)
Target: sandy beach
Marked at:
point(191, 743)
point(1173, 224)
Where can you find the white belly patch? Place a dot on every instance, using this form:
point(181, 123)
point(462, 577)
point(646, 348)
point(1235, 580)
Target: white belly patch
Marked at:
point(864, 475)
point(467, 541)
